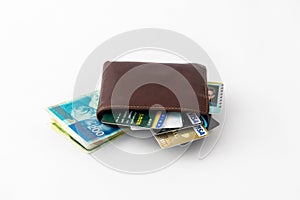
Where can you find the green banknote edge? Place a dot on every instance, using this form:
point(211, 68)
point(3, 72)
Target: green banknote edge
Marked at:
point(57, 128)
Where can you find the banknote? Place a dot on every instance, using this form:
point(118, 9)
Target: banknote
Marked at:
point(56, 127)
point(215, 96)
point(78, 119)
point(180, 136)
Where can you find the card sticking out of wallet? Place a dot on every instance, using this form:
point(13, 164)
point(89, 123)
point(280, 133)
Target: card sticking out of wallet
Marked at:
point(130, 118)
point(172, 120)
point(143, 119)
point(180, 136)
point(190, 120)
point(215, 96)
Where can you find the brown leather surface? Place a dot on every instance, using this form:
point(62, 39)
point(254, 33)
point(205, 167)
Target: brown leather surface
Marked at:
point(141, 86)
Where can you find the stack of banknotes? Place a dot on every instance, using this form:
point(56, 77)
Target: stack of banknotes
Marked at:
point(77, 120)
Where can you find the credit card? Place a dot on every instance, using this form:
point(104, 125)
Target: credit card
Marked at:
point(138, 128)
point(189, 120)
point(212, 123)
point(135, 118)
point(180, 136)
point(172, 120)
point(215, 96)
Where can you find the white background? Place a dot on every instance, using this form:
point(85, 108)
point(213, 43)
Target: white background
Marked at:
point(255, 46)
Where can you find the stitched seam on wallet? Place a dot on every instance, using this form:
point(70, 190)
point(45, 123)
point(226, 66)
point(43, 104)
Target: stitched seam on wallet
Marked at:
point(124, 106)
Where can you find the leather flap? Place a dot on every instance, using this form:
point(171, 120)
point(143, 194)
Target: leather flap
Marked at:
point(155, 86)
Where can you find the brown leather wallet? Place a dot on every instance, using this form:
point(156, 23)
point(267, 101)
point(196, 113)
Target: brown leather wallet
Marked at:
point(155, 86)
